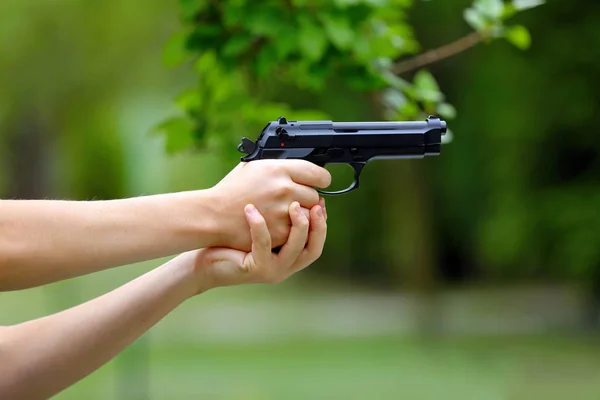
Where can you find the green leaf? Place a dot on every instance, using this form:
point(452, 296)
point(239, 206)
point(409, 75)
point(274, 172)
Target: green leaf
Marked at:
point(474, 18)
point(446, 110)
point(264, 22)
point(383, 47)
point(206, 62)
point(509, 11)
point(513, 7)
point(264, 63)
point(345, 3)
point(188, 100)
point(204, 37)
point(527, 4)
point(339, 31)
point(410, 111)
point(426, 87)
point(175, 51)
point(312, 40)
point(285, 44)
point(237, 45)
point(178, 133)
point(361, 48)
point(394, 98)
point(395, 81)
point(519, 36)
point(233, 14)
point(189, 8)
point(492, 9)
point(424, 80)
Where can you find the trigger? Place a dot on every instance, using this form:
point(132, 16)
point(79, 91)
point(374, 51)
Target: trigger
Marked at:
point(357, 170)
point(355, 185)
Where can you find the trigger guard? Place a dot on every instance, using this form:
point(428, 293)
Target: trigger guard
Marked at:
point(355, 185)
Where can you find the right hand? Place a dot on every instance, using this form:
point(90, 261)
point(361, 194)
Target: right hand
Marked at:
point(271, 186)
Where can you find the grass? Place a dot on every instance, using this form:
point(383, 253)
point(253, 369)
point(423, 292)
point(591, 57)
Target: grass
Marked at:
point(296, 356)
point(374, 368)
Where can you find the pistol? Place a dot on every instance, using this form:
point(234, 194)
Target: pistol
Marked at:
point(352, 143)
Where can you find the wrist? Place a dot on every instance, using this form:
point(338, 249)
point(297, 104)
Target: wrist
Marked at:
point(222, 224)
point(192, 270)
point(198, 217)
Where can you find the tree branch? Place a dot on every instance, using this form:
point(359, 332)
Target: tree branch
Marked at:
point(435, 55)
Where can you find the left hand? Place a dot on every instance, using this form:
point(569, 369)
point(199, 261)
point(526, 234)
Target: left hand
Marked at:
point(216, 267)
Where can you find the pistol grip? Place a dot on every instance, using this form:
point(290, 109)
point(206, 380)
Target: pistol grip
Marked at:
point(357, 167)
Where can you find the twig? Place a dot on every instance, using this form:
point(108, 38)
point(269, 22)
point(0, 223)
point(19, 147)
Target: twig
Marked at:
point(435, 55)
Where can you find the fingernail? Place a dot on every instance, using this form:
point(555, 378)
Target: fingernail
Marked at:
point(298, 208)
point(320, 211)
point(250, 209)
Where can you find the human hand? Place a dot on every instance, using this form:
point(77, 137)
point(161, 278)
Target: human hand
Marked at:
point(271, 186)
point(215, 267)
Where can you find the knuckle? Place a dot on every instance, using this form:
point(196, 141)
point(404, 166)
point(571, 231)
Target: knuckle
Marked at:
point(277, 166)
point(246, 269)
point(275, 169)
point(283, 189)
point(287, 189)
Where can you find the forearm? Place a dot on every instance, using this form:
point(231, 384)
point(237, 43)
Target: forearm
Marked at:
point(42, 241)
point(42, 357)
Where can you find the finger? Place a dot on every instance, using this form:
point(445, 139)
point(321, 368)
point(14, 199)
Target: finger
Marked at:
point(306, 212)
point(261, 238)
point(322, 204)
point(316, 240)
point(294, 246)
point(305, 195)
point(309, 174)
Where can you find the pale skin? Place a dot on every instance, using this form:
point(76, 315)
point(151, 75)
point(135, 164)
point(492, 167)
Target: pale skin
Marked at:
point(79, 340)
point(47, 241)
point(43, 241)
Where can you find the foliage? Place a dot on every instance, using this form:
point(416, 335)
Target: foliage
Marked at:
point(241, 49)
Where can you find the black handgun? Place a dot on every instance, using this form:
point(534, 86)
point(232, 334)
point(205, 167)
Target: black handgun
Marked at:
point(353, 143)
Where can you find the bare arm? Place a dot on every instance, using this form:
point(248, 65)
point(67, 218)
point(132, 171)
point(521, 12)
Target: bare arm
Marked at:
point(43, 241)
point(42, 357)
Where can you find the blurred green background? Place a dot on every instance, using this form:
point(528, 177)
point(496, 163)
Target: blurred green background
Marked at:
point(473, 275)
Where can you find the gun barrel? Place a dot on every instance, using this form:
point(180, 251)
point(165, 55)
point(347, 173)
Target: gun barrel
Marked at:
point(403, 126)
point(380, 126)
